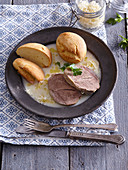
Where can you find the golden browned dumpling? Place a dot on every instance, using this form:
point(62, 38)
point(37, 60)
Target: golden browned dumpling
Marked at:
point(36, 53)
point(29, 70)
point(71, 47)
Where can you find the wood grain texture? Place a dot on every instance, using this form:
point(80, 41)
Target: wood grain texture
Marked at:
point(24, 2)
point(87, 158)
point(5, 1)
point(34, 158)
point(118, 158)
point(127, 38)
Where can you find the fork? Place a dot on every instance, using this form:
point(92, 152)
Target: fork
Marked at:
point(45, 127)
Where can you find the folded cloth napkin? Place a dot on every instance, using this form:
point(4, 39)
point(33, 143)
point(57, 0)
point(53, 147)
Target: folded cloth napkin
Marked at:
point(16, 22)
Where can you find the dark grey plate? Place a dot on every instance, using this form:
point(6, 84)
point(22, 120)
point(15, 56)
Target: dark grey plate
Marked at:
point(48, 36)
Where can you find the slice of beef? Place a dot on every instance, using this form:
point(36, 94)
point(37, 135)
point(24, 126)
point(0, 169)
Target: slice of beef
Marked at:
point(61, 91)
point(86, 82)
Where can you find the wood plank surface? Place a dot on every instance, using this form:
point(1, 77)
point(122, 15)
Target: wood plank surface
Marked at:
point(118, 158)
point(24, 2)
point(80, 158)
point(87, 158)
point(6, 2)
point(34, 158)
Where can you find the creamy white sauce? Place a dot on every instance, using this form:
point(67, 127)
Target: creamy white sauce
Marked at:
point(39, 90)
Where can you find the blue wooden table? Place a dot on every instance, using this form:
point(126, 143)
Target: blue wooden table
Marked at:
point(110, 157)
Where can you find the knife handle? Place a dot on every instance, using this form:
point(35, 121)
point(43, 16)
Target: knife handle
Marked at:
point(116, 139)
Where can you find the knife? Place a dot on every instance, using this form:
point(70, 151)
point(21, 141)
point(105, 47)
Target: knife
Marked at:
point(115, 139)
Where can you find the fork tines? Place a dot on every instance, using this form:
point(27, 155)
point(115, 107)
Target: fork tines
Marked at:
point(29, 123)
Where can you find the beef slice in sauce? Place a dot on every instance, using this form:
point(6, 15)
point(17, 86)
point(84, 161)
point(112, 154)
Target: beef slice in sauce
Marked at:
point(86, 82)
point(61, 91)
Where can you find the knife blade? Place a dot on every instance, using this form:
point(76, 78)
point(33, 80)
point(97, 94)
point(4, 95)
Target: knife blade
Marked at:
point(115, 139)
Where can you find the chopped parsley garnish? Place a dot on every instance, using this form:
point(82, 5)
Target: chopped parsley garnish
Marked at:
point(58, 63)
point(113, 21)
point(124, 43)
point(65, 66)
point(76, 71)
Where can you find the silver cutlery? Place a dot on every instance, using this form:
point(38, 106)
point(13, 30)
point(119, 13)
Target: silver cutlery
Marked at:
point(45, 127)
point(115, 139)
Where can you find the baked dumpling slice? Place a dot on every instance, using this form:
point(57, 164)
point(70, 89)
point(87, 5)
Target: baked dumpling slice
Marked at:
point(29, 70)
point(37, 53)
